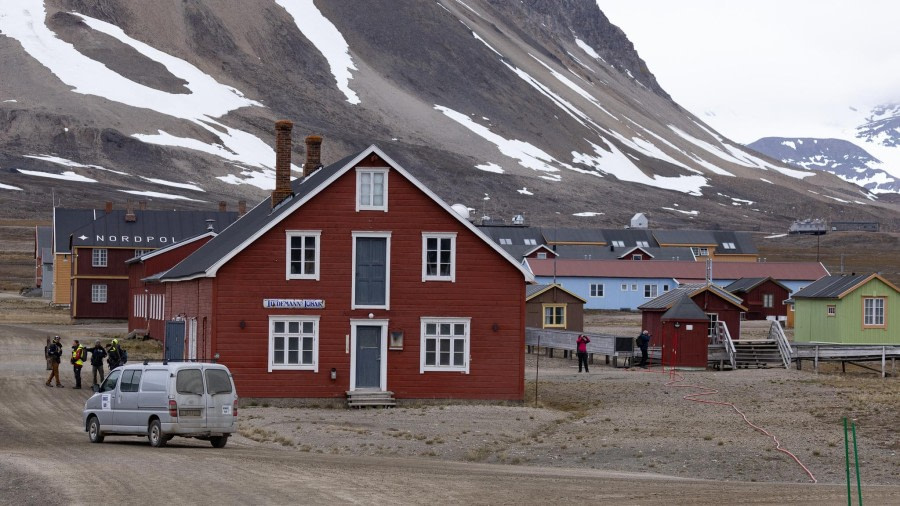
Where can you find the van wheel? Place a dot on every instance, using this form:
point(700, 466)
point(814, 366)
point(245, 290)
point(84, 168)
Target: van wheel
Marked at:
point(218, 441)
point(155, 435)
point(94, 433)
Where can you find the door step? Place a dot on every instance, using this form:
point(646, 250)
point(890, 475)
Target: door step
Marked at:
point(370, 399)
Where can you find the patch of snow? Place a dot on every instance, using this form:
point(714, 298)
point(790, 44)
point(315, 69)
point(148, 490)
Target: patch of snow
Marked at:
point(67, 176)
point(615, 162)
point(764, 180)
point(837, 199)
point(588, 49)
point(574, 87)
point(264, 179)
point(70, 163)
point(524, 191)
point(490, 167)
point(776, 236)
point(692, 213)
point(163, 182)
point(588, 214)
point(11, 100)
point(748, 202)
point(159, 195)
point(9, 187)
point(467, 7)
point(327, 39)
point(486, 44)
point(789, 144)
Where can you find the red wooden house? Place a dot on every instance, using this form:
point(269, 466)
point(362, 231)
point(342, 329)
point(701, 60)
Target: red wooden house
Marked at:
point(356, 277)
point(684, 335)
point(147, 307)
point(716, 303)
point(763, 297)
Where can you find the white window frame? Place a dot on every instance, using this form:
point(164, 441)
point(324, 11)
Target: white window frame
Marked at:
point(438, 236)
point(624, 287)
point(387, 272)
point(713, 326)
point(99, 257)
point(768, 301)
point(530, 242)
point(618, 244)
point(593, 290)
point(642, 244)
point(99, 294)
point(452, 321)
point(874, 319)
point(831, 310)
point(371, 172)
point(287, 319)
point(505, 241)
point(665, 288)
point(652, 290)
point(317, 235)
point(637, 256)
point(542, 255)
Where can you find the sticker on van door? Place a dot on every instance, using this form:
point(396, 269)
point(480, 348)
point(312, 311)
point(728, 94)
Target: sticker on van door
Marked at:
point(226, 409)
point(104, 402)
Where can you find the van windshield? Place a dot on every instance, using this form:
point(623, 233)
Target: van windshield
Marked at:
point(217, 382)
point(189, 381)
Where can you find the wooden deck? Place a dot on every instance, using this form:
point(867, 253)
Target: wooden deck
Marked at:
point(847, 353)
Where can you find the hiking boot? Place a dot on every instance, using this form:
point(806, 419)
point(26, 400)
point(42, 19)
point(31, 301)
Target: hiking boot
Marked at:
point(59, 385)
point(76, 388)
point(48, 384)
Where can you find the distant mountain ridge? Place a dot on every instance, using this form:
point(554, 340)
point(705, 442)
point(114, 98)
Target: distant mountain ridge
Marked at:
point(532, 107)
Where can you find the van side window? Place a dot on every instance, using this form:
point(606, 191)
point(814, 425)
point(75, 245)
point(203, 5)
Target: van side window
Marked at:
point(130, 380)
point(154, 381)
point(110, 383)
point(189, 381)
point(217, 382)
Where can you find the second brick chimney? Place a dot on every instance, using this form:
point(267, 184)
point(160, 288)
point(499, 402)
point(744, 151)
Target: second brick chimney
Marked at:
point(282, 161)
point(313, 154)
point(129, 212)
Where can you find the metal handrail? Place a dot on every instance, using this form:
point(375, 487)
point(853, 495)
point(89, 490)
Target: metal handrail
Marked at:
point(724, 337)
point(777, 334)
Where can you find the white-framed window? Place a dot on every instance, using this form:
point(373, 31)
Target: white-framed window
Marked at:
point(700, 252)
point(713, 328)
point(728, 245)
point(371, 270)
point(637, 257)
point(642, 244)
point(618, 244)
point(505, 241)
point(873, 311)
point(99, 257)
point(530, 242)
point(650, 291)
point(438, 256)
point(634, 287)
point(302, 254)
point(445, 344)
point(624, 287)
point(542, 255)
point(372, 189)
point(98, 294)
point(294, 343)
point(768, 300)
point(831, 310)
point(596, 289)
point(139, 252)
point(665, 288)
point(554, 315)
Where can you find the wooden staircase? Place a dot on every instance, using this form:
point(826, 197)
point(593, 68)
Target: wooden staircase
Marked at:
point(756, 353)
point(370, 399)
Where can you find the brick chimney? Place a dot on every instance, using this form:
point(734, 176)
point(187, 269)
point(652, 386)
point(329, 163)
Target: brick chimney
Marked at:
point(222, 206)
point(108, 207)
point(129, 212)
point(242, 207)
point(282, 161)
point(313, 154)
point(142, 205)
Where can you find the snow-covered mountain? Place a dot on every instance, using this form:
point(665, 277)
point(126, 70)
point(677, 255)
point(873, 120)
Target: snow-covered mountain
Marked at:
point(531, 107)
point(839, 157)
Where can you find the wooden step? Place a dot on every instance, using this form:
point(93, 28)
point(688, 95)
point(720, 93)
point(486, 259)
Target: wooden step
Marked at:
point(370, 398)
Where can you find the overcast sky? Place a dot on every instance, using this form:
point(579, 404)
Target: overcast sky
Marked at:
point(757, 68)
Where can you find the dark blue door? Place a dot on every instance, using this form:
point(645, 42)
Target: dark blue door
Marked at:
point(368, 357)
point(371, 271)
point(175, 340)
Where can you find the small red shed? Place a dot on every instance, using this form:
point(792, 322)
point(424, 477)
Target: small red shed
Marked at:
point(717, 304)
point(684, 336)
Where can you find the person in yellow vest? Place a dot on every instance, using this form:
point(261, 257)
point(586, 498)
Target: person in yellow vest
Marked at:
point(78, 355)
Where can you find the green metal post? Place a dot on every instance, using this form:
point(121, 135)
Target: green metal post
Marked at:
point(847, 463)
point(856, 458)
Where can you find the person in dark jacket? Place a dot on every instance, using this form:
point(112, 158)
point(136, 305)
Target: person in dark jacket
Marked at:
point(98, 353)
point(643, 342)
point(114, 355)
point(582, 351)
point(54, 351)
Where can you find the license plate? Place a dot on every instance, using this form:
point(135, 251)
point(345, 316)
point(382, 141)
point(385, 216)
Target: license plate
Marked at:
point(189, 412)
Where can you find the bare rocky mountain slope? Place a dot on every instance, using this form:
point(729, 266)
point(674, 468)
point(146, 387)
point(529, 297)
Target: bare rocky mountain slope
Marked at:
point(533, 107)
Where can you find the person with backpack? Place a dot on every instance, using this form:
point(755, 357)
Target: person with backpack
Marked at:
point(114, 355)
point(54, 351)
point(98, 353)
point(78, 356)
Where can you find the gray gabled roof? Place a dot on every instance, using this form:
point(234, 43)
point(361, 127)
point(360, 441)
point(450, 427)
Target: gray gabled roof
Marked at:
point(573, 236)
point(43, 237)
point(669, 298)
point(206, 261)
point(66, 221)
point(516, 235)
point(832, 287)
point(684, 309)
point(150, 254)
point(630, 236)
point(155, 228)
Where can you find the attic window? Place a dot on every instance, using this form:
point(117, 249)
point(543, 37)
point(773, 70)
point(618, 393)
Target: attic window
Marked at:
point(642, 244)
point(371, 189)
point(728, 245)
point(619, 244)
point(530, 242)
point(504, 240)
point(700, 252)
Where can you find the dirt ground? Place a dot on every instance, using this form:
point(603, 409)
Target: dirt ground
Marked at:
point(628, 435)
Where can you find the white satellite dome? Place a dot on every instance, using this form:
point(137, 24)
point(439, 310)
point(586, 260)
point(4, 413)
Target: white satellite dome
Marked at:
point(462, 210)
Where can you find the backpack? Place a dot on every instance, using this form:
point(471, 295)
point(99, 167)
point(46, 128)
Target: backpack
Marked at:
point(123, 356)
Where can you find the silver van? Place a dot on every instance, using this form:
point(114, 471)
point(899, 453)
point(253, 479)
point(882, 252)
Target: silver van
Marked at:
point(162, 400)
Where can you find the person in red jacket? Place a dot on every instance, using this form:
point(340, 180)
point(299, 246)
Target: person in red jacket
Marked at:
point(582, 352)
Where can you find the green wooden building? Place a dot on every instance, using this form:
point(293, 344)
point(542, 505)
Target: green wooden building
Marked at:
point(847, 309)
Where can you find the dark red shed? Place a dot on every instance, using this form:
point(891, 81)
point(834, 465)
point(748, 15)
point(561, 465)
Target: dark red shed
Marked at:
point(684, 336)
point(722, 309)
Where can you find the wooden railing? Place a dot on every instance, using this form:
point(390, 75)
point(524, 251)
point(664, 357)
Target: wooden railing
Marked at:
point(777, 334)
point(723, 337)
